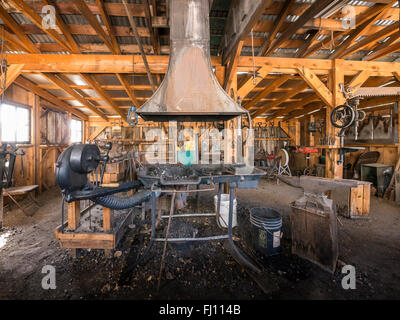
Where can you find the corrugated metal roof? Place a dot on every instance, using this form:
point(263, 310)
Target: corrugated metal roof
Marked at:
point(361, 3)
point(40, 38)
point(383, 22)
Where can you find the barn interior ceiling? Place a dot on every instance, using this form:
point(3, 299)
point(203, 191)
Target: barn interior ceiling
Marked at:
point(287, 29)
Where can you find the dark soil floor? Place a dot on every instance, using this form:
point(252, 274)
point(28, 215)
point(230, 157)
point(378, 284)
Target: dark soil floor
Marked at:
point(204, 270)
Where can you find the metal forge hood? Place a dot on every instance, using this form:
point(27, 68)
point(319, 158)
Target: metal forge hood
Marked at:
point(189, 91)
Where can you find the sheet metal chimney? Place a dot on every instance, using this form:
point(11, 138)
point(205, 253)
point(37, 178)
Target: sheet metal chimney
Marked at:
point(190, 90)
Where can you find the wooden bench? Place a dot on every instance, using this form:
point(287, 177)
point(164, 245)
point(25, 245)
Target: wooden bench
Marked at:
point(21, 191)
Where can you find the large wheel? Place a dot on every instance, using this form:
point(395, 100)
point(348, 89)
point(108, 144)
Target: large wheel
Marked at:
point(284, 155)
point(342, 116)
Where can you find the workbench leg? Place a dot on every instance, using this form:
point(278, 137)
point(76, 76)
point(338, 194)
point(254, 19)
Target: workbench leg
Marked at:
point(107, 223)
point(74, 215)
point(1, 209)
point(238, 255)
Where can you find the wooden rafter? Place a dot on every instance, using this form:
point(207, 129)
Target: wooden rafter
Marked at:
point(58, 104)
point(64, 28)
point(37, 20)
point(310, 108)
point(139, 42)
point(109, 28)
point(231, 70)
point(13, 71)
point(317, 85)
point(128, 89)
point(315, 8)
point(267, 90)
point(311, 98)
point(9, 21)
point(251, 83)
point(371, 39)
point(155, 37)
point(312, 37)
point(358, 32)
point(93, 83)
point(87, 13)
point(360, 19)
point(277, 26)
point(386, 48)
point(299, 88)
point(241, 19)
point(63, 86)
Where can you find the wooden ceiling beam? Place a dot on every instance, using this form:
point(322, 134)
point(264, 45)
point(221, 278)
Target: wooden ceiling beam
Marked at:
point(37, 20)
point(301, 87)
point(356, 33)
point(317, 85)
point(251, 83)
point(10, 22)
point(386, 48)
point(267, 90)
point(310, 108)
point(360, 19)
point(90, 80)
point(155, 37)
point(89, 16)
point(310, 13)
point(107, 23)
point(63, 86)
point(277, 26)
point(230, 71)
point(389, 30)
point(242, 17)
point(311, 98)
point(63, 28)
point(113, 9)
point(13, 72)
point(128, 89)
point(58, 104)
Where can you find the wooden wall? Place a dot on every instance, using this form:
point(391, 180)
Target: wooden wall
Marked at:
point(49, 137)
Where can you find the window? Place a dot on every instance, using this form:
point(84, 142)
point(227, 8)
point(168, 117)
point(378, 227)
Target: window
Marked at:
point(76, 131)
point(15, 123)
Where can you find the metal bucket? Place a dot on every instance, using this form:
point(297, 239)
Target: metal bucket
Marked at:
point(266, 227)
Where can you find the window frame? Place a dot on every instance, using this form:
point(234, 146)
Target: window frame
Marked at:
point(70, 133)
point(19, 105)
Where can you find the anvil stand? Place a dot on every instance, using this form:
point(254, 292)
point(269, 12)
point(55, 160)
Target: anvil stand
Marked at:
point(237, 254)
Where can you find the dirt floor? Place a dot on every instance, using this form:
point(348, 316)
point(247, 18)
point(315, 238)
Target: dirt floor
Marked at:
point(199, 271)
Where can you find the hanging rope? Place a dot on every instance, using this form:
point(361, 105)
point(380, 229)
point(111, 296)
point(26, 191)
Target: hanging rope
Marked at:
point(252, 54)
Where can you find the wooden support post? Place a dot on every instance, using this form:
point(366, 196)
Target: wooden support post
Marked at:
point(106, 219)
point(107, 223)
point(1, 209)
point(311, 134)
point(74, 214)
point(333, 169)
point(298, 133)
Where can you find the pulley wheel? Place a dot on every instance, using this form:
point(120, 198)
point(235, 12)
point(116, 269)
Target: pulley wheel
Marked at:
point(342, 116)
point(284, 155)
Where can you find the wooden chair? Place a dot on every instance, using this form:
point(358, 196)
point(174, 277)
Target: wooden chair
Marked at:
point(20, 191)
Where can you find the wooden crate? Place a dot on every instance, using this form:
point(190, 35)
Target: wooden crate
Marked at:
point(353, 202)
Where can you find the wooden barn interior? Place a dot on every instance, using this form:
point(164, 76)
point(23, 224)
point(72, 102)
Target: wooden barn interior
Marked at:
point(320, 81)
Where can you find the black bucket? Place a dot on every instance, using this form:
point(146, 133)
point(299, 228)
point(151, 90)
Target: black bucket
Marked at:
point(266, 225)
